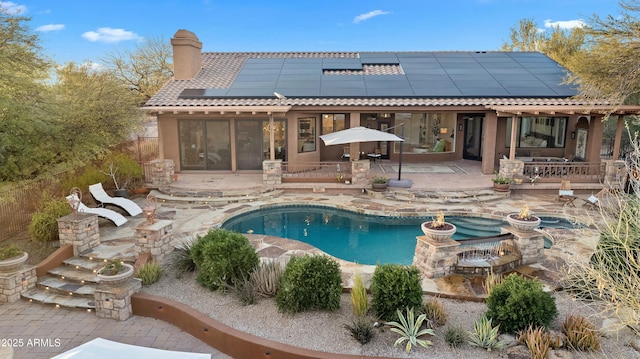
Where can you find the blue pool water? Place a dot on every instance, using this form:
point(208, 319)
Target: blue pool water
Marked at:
point(356, 237)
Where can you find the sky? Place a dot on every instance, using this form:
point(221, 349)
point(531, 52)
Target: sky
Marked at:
point(87, 30)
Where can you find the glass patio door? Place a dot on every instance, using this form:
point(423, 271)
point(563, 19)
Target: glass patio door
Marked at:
point(473, 137)
point(249, 152)
point(218, 153)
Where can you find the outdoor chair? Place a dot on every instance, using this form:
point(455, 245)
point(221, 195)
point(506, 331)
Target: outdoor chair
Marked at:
point(376, 155)
point(102, 198)
point(595, 199)
point(113, 216)
point(565, 194)
point(345, 153)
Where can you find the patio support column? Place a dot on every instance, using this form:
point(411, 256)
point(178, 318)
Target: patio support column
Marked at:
point(514, 133)
point(354, 147)
point(618, 138)
point(489, 131)
point(272, 143)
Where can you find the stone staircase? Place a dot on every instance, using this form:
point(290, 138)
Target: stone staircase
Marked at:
point(72, 284)
point(469, 196)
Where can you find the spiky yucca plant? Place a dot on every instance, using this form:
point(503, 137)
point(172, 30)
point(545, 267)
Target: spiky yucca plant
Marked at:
point(149, 273)
point(539, 341)
point(435, 312)
point(359, 296)
point(361, 329)
point(267, 278)
point(409, 329)
point(455, 336)
point(580, 333)
point(485, 335)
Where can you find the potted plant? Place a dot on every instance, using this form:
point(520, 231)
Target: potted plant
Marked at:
point(437, 229)
point(500, 183)
point(379, 183)
point(138, 186)
point(524, 220)
point(122, 170)
point(115, 272)
point(11, 258)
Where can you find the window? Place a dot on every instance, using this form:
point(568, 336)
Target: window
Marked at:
point(333, 122)
point(306, 134)
point(539, 132)
point(427, 132)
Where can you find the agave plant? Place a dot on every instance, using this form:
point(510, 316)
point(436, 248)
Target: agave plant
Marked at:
point(409, 329)
point(485, 335)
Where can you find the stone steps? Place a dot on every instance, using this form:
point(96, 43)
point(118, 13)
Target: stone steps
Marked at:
point(441, 197)
point(212, 198)
point(72, 284)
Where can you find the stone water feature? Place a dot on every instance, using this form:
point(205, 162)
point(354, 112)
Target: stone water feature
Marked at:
point(481, 256)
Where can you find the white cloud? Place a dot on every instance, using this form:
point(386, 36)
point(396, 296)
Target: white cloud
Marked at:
point(50, 27)
point(12, 8)
point(109, 35)
point(569, 24)
point(369, 15)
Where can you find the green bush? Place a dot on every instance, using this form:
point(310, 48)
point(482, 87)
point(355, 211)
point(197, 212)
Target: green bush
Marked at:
point(519, 302)
point(44, 224)
point(310, 282)
point(223, 257)
point(395, 287)
point(83, 178)
point(149, 273)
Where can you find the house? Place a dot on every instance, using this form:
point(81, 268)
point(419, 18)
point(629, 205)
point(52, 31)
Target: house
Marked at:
point(233, 111)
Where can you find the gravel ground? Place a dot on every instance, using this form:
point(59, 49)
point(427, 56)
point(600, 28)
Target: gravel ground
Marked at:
point(321, 330)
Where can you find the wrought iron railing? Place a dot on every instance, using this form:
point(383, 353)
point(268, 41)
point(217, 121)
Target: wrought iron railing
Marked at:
point(553, 171)
point(316, 171)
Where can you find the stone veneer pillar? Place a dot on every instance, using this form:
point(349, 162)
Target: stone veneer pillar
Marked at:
point(530, 244)
point(435, 258)
point(271, 173)
point(14, 283)
point(154, 238)
point(509, 168)
point(114, 302)
point(80, 230)
point(162, 172)
point(360, 172)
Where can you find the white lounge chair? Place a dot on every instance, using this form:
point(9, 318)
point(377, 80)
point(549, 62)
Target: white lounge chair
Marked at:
point(113, 216)
point(102, 198)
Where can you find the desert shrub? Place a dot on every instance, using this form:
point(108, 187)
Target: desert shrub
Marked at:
point(539, 341)
point(149, 273)
point(267, 278)
point(435, 312)
point(83, 178)
point(455, 336)
point(44, 224)
point(223, 256)
point(361, 329)
point(519, 302)
point(485, 335)
point(310, 282)
point(580, 333)
point(180, 259)
point(245, 289)
point(359, 296)
point(395, 287)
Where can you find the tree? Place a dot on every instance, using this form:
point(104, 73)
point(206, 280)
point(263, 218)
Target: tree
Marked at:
point(525, 37)
point(95, 109)
point(144, 70)
point(24, 125)
point(611, 69)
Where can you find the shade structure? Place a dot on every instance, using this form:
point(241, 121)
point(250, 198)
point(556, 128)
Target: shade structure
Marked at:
point(358, 134)
point(101, 348)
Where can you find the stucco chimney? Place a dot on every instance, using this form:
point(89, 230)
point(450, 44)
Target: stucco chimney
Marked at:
point(187, 56)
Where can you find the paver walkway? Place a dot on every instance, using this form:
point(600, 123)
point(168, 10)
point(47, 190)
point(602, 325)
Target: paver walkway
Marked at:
point(47, 331)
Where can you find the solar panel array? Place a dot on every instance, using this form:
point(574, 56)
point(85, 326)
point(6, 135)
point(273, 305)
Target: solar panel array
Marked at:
point(423, 74)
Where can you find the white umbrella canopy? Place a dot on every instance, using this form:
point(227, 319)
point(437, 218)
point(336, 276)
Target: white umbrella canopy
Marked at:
point(357, 134)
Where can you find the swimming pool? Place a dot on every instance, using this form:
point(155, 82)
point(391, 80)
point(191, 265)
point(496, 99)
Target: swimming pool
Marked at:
point(355, 237)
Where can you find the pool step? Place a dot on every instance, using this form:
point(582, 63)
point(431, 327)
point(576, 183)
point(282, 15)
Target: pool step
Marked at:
point(441, 197)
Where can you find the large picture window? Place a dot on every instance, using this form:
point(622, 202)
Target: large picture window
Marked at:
point(333, 122)
point(538, 132)
point(306, 134)
point(427, 132)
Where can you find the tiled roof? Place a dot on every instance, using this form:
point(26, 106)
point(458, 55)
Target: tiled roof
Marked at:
point(220, 71)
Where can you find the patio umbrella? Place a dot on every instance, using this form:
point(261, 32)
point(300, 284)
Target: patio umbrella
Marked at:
point(361, 134)
point(358, 134)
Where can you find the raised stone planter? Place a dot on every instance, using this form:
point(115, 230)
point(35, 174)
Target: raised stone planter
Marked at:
point(13, 264)
point(117, 279)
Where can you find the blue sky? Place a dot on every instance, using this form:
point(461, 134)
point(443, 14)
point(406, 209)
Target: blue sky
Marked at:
point(85, 30)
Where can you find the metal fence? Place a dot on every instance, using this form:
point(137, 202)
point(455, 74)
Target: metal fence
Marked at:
point(19, 202)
